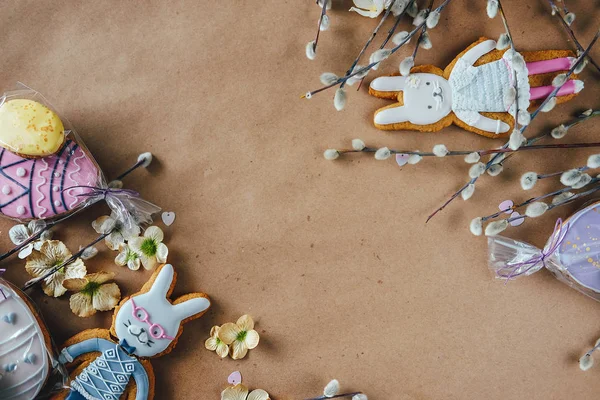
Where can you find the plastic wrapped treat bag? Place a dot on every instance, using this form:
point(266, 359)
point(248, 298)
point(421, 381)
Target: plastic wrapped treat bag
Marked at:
point(572, 253)
point(28, 366)
point(46, 172)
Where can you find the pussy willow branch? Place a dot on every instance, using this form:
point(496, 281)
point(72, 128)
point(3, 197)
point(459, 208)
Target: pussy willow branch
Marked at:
point(32, 282)
point(522, 129)
point(533, 200)
point(581, 118)
point(50, 224)
point(512, 47)
point(337, 396)
point(480, 152)
point(562, 203)
point(371, 65)
point(375, 31)
point(570, 32)
point(390, 34)
point(323, 12)
point(423, 30)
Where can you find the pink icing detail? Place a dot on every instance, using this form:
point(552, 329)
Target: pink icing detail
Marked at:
point(42, 195)
point(543, 67)
point(542, 92)
point(73, 181)
point(145, 317)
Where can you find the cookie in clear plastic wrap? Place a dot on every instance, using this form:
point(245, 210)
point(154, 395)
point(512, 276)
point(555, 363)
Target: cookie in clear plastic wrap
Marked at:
point(572, 253)
point(27, 359)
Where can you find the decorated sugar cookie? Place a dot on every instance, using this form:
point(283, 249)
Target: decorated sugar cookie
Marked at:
point(145, 325)
point(25, 355)
point(46, 187)
point(29, 128)
point(475, 92)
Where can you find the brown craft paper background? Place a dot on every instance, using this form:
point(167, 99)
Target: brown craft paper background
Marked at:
point(333, 259)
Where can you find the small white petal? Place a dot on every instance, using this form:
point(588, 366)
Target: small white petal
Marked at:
point(549, 105)
point(516, 139)
point(406, 65)
point(569, 18)
point(476, 226)
point(586, 362)
point(414, 159)
point(503, 42)
point(360, 396)
point(528, 180)
point(468, 192)
point(472, 158)
point(492, 8)
point(339, 100)
point(495, 170)
point(332, 388)
point(559, 132)
point(496, 227)
point(400, 37)
point(358, 144)
point(310, 50)
point(587, 112)
point(559, 80)
point(146, 158)
point(583, 181)
point(329, 78)
point(593, 161)
point(536, 209)
point(18, 234)
point(440, 150)
point(561, 198)
point(382, 153)
point(425, 41)
point(476, 170)
point(89, 252)
point(570, 177)
point(331, 154)
point(433, 19)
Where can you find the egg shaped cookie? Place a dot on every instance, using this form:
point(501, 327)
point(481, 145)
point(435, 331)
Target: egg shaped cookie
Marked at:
point(47, 187)
point(30, 129)
point(25, 346)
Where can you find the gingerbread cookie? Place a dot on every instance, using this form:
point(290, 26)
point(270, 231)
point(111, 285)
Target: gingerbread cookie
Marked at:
point(475, 91)
point(25, 346)
point(111, 365)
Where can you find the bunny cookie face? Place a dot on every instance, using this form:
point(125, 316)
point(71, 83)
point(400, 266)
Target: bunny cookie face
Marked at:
point(149, 322)
point(427, 99)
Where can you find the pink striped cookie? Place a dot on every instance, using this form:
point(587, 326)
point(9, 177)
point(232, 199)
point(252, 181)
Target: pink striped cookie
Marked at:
point(44, 187)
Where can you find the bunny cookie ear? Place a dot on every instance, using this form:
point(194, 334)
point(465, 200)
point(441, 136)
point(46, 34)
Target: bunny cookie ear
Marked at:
point(387, 87)
point(190, 306)
point(391, 115)
point(163, 283)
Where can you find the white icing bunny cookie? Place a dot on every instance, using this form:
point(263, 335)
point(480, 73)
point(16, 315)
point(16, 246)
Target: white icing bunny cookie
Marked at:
point(475, 92)
point(111, 365)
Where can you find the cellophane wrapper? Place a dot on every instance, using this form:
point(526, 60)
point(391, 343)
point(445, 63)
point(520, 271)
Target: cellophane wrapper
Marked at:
point(29, 367)
point(50, 187)
point(575, 262)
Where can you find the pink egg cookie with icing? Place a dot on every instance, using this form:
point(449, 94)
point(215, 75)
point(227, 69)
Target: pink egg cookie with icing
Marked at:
point(46, 187)
point(25, 346)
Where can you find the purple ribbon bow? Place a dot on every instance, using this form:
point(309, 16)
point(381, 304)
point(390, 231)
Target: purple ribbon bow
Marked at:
point(523, 267)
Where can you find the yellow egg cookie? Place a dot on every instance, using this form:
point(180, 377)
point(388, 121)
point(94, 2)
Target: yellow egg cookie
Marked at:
point(30, 129)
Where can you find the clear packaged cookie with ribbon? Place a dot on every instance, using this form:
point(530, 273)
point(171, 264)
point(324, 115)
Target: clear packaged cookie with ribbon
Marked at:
point(572, 253)
point(47, 173)
point(29, 368)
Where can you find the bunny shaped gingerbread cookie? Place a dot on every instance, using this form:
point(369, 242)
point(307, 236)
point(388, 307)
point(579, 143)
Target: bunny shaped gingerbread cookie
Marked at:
point(476, 91)
point(112, 365)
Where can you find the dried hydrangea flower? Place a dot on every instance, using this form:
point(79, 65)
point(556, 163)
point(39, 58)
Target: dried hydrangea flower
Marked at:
point(240, 337)
point(93, 293)
point(213, 343)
